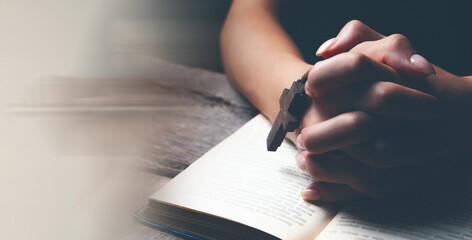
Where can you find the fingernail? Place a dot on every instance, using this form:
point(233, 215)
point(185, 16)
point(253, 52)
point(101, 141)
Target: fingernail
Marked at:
point(300, 143)
point(300, 159)
point(325, 46)
point(424, 65)
point(310, 194)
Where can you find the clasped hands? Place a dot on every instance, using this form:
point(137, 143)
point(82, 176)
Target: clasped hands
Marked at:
point(383, 120)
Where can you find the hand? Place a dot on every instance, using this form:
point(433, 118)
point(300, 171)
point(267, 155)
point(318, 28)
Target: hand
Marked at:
point(373, 129)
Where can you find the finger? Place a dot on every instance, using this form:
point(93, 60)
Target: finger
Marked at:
point(401, 180)
point(346, 69)
point(397, 52)
point(399, 148)
point(329, 192)
point(335, 167)
point(394, 181)
point(353, 33)
point(384, 99)
point(338, 132)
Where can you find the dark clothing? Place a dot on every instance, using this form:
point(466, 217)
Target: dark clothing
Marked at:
point(439, 30)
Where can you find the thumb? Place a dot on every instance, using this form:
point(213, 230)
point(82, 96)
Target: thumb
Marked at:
point(397, 52)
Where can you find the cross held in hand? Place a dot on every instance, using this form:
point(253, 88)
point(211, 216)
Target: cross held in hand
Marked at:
point(293, 104)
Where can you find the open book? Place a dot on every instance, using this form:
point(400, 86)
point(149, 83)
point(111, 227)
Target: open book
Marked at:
point(238, 190)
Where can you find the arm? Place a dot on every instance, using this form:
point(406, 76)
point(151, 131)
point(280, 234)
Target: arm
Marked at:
point(352, 148)
point(259, 57)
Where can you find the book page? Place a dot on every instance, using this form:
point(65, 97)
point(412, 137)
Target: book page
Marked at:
point(441, 211)
point(241, 181)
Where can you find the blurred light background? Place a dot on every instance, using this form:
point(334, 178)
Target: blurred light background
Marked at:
point(64, 150)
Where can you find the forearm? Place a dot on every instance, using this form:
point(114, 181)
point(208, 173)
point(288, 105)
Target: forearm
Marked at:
point(259, 57)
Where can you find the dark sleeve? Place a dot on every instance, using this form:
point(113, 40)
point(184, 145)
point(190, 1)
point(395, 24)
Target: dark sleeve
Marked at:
point(439, 30)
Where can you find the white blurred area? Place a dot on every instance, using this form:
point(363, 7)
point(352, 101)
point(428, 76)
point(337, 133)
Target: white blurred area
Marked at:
point(65, 172)
point(43, 194)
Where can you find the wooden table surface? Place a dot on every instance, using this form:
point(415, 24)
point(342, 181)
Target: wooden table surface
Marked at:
point(150, 126)
point(194, 110)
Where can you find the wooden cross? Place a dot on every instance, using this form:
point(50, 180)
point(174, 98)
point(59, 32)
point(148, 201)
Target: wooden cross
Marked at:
point(293, 104)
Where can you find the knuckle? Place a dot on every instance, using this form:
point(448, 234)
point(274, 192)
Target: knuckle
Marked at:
point(396, 41)
point(355, 24)
point(356, 62)
point(383, 92)
point(380, 147)
point(353, 120)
